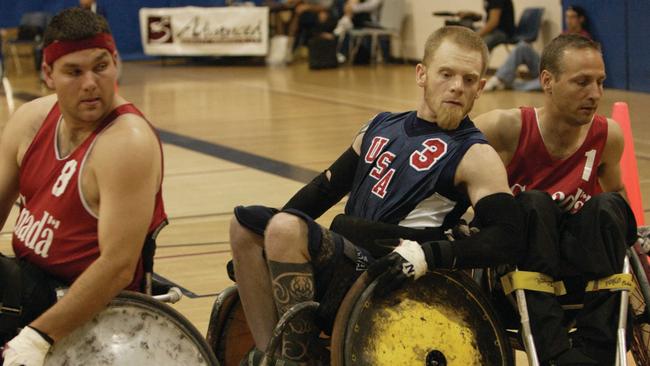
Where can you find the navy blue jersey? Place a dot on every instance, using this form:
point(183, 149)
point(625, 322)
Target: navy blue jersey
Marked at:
point(406, 171)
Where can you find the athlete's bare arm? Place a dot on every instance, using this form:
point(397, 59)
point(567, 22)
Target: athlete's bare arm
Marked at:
point(502, 128)
point(609, 170)
point(121, 178)
point(481, 173)
point(16, 138)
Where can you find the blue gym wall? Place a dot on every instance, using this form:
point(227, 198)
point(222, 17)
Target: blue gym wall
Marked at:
point(621, 26)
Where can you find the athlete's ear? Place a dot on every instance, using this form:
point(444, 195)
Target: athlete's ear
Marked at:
point(421, 75)
point(545, 79)
point(481, 85)
point(47, 74)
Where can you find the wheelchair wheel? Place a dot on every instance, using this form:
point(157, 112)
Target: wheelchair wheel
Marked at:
point(442, 318)
point(639, 300)
point(228, 333)
point(134, 329)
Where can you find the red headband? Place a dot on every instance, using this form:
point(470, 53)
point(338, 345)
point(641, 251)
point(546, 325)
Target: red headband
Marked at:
point(59, 49)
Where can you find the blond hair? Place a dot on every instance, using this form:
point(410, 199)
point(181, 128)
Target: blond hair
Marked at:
point(461, 36)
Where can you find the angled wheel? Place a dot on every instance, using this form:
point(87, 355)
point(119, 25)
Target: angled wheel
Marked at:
point(639, 302)
point(134, 329)
point(441, 319)
point(228, 333)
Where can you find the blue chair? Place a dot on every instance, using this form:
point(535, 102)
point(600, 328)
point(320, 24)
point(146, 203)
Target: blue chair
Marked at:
point(30, 33)
point(528, 27)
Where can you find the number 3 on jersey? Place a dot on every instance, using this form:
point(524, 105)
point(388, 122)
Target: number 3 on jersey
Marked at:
point(420, 160)
point(64, 178)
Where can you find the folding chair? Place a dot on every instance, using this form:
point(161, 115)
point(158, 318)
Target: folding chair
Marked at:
point(391, 18)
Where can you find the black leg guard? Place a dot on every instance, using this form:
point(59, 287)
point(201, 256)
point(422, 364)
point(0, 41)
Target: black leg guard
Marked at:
point(595, 242)
point(546, 315)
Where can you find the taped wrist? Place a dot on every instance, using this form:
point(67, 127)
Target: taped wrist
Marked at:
point(322, 193)
point(412, 252)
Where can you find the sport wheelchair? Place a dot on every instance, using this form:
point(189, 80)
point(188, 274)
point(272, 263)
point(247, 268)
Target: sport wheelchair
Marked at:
point(632, 282)
point(443, 318)
point(135, 329)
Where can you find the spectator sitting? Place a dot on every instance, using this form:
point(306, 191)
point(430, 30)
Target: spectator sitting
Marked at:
point(311, 17)
point(281, 14)
point(499, 24)
point(525, 54)
point(358, 13)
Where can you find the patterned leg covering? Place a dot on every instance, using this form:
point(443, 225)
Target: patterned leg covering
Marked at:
point(293, 283)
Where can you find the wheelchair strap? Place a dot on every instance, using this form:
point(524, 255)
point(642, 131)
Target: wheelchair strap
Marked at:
point(616, 282)
point(534, 281)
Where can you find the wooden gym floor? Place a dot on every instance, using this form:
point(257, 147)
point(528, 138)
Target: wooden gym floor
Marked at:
point(240, 135)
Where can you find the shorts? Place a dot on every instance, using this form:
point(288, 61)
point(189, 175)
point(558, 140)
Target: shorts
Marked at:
point(337, 262)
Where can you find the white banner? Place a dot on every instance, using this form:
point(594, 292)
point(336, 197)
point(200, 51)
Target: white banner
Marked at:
point(197, 31)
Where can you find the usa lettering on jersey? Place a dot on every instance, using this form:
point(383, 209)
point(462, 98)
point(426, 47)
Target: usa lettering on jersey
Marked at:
point(420, 160)
point(36, 235)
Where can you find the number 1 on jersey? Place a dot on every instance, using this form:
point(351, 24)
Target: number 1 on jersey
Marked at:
point(589, 164)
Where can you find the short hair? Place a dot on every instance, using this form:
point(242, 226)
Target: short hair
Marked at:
point(461, 36)
point(580, 12)
point(553, 52)
point(74, 24)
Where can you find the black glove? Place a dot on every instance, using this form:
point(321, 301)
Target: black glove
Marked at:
point(462, 230)
point(406, 262)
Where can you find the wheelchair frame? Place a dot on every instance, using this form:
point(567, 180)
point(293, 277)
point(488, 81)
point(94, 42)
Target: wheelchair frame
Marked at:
point(636, 300)
point(639, 301)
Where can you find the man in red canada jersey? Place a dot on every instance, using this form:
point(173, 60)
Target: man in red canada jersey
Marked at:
point(86, 168)
point(579, 225)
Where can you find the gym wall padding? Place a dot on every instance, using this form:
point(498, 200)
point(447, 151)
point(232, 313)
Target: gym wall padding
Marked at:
point(608, 25)
point(638, 45)
point(622, 28)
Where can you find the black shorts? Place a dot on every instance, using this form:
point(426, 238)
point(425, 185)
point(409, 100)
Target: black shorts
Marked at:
point(25, 293)
point(334, 273)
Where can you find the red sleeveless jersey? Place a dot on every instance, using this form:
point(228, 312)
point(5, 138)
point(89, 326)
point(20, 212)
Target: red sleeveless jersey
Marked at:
point(571, 181)
point(55, 229)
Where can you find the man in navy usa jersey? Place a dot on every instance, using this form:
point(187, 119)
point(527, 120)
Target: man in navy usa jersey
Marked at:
point(409, 176)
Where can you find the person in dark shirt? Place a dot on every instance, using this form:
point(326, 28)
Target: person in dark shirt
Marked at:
point(524, 54)
point(499, 23)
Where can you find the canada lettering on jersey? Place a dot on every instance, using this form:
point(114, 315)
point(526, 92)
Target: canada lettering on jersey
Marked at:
point(567, 202)
point(36, 234)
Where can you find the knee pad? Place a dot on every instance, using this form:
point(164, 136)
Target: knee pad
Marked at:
point(254, 218)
